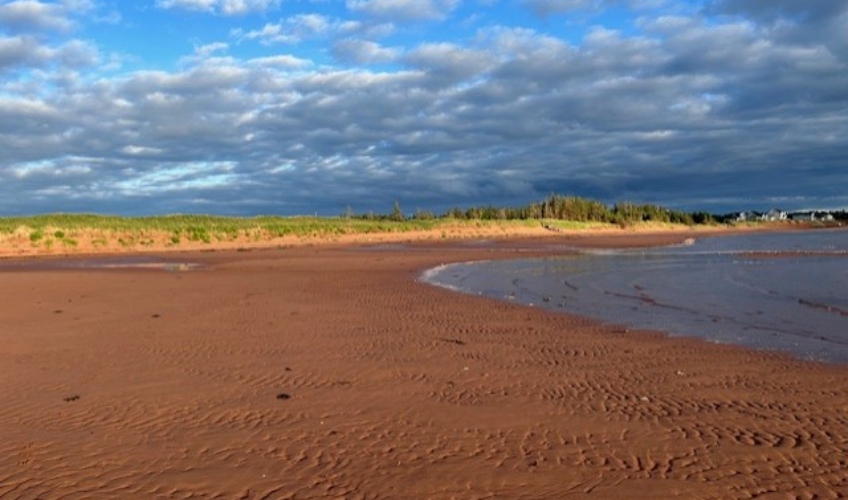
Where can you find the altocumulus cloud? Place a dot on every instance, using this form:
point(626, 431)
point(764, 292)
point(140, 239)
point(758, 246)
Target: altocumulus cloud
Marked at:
point(262, 106)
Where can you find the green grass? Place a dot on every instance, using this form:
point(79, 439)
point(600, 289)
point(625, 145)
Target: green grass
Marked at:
point(206, 228)
point(573, 225)
point(68, 229)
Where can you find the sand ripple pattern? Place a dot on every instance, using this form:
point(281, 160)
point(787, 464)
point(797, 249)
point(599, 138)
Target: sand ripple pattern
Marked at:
point(333, 374)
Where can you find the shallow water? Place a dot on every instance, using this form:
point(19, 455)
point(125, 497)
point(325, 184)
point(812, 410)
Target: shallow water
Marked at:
point(785, 291)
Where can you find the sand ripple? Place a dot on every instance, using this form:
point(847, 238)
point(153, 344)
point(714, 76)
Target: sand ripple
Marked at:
point(169, 385)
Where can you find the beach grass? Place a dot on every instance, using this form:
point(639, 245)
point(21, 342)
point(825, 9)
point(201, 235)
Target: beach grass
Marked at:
point(197, 225)
point(63, 231)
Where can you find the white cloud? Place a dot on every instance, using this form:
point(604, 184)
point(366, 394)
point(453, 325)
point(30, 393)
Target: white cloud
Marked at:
point(140, 150)
point(210, 48)
point(285, 61)
point(404, 10)
point(225, 7)
point(33, 15)
point(364, 52)
point(294, 29)
point(28, 52)
point(508, 113)
point(15, 51)
point(550, 7)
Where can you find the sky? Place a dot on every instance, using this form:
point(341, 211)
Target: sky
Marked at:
point(247, 107)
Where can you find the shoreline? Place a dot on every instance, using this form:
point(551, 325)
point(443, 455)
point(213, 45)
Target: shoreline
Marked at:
point(664, 293)
point(329, 371)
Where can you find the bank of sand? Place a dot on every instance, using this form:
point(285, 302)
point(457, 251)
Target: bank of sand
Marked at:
point(329, 372)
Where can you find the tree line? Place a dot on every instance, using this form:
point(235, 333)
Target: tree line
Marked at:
point(557, 207)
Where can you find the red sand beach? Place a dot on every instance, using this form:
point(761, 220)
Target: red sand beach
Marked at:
point(330, 372)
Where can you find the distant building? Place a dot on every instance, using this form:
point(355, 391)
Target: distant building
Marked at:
point(775, 215)
point(749, 215)
point(803, 216)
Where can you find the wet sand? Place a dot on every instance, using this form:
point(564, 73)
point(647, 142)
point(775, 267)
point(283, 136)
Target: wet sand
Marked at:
point(330, 372)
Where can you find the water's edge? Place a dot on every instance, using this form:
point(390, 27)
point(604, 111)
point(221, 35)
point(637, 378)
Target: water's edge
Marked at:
point(774, 292)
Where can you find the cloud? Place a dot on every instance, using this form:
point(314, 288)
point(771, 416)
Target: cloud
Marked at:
point(21, 52)
point(286, 61)
point(364, 52)
point(299, 28)
point(772, 10)
point(210, 48)
point(33, 16)
point(794, 21)
point(684, 109)
point(224, 7)
point(17, 51)
point(546, 8)
point(404, 10)
point(449, 64)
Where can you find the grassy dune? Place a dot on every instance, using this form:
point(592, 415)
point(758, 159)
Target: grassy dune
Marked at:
point(88, 233)
point(202, 228)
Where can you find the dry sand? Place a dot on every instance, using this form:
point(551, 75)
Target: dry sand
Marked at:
point(329, 372)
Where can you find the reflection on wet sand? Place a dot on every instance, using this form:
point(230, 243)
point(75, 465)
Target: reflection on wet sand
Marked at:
point(134, 262)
